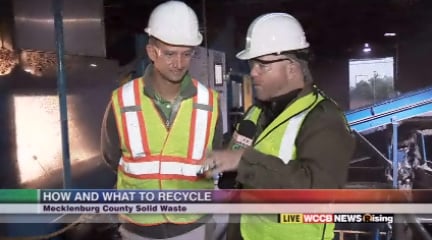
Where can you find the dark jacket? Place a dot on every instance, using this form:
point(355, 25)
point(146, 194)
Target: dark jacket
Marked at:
point(324, 149)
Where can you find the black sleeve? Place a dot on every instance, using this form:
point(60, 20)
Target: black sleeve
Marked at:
point(324, 150)
point(110, 144)
point(218, 134)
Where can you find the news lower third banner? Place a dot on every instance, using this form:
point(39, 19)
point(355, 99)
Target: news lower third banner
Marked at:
point(214, 196)
point(91, 201)
point(287, 218)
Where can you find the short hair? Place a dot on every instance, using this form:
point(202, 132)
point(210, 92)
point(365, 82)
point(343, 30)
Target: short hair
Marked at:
point(303, 54)
point(152, 41)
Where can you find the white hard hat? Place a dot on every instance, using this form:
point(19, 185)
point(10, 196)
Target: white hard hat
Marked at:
point(175, 23)
point(273, 33)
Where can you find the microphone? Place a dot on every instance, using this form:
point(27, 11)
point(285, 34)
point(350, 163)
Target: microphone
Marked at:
point(242, 138)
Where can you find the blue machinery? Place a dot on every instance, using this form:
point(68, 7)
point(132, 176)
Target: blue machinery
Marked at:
point(392, 112)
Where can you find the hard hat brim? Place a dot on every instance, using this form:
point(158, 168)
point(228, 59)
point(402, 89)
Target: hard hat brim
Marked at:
point(245, 55)
point(191, 43)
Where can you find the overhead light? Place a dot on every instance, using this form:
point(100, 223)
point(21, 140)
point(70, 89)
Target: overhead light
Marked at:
point(390, 34)
point(366, 48)
point(93, 65)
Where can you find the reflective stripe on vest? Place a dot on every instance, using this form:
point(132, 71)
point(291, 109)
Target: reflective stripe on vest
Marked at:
point(129, 100)
point(201, 119)
point(158, 167)
point(284, 128)
point(135, 135)
point(287, 148)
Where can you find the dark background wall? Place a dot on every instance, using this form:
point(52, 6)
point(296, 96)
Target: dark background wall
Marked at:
point(336, 29)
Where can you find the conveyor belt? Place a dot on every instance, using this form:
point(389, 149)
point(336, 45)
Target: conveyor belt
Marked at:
point(406, 106)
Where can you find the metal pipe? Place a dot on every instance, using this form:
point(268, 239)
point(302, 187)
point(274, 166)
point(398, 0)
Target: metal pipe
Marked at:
point(359, 160)
point(204, 16)
point(62, 91)
point(377, 235)
point(395, 151)
point(140, 42)
point(396, 62)
point(422, 139)
point(418, 227)
point(370, 146)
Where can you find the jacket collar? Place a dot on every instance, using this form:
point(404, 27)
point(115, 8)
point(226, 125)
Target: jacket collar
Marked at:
point(275, 106)
point(187, 88)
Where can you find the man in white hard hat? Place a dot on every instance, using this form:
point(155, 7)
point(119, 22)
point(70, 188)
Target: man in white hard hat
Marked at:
point(158, 127)
point(302, 139)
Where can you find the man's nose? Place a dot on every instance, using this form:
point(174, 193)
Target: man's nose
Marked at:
point(254, 70)
point(178, 61)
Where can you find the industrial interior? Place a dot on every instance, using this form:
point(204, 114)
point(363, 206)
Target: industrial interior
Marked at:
point(372, 57)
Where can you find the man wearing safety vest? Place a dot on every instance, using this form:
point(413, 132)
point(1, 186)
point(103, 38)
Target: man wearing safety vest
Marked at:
point(302, 139)
point(158, 128)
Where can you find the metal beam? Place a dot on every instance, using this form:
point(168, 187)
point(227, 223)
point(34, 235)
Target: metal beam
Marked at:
point(62, 91)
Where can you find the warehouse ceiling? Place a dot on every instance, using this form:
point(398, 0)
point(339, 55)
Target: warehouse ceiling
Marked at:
point(333, 27)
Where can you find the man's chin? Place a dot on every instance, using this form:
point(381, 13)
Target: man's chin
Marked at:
point(175, 80)
point(262, 98)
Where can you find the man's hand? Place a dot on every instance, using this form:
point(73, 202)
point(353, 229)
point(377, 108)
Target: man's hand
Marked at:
point(222, 161)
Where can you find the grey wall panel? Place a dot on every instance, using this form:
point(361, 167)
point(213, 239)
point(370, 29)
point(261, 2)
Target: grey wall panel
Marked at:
point(84, 32)
point(218, 57)
point(202, 68)
point(199, 66)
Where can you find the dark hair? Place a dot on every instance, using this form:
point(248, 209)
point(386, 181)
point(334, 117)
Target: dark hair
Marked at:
point(303, 54)
point(152, 41)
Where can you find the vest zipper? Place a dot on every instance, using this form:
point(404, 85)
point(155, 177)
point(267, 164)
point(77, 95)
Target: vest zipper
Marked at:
point(175, 107)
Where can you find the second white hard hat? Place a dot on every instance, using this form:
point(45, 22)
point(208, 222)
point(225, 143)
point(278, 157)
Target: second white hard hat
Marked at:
point(175, 23)
point(273, 33)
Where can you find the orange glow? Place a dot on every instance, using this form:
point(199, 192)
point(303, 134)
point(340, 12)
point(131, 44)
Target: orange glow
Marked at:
point(8, 60)
point(37, 63)
point(38, 136)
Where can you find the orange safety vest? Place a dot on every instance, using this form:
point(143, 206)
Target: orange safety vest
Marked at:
point(154, 157)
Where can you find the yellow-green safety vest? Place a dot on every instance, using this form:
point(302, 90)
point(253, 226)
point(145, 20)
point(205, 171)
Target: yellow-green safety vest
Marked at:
point(157, 158)
point(279, 141)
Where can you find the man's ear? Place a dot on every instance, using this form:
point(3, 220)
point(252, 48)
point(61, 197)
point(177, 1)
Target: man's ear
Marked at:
point(151, 52)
